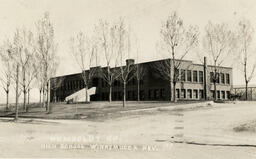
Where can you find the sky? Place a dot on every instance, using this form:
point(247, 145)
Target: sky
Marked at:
point(144, 16)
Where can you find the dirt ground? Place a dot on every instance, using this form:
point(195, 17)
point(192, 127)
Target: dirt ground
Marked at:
point(201, 133)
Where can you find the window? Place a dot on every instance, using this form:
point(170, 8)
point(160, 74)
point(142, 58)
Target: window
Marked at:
point(194, 76)
point(227, 79)
point(66, 86)
point(74, 84)
point(228, 94)
point(201, 76)
point(134, 94)
point(141, 82)
point(177, 71)
point(102, 96)
point(134, 81)
point(190, 93)
point(102, 83)
point(213, 94)
point(129, 95)
point(218, 94)
point(217, 78)
point(223, 94)
point(201, 93)
point(195, 93)
point(222, 78)
point(189, 75)
point(162, 93)
point(115, 83)
point(115, 96)
point(212, 77)
point(183, 93)
point(129, 83)
point(95, 82)
point(157, 93)
point(81, 83)
point(78, 84)
point(183, 75)
point(119, 95)
point(177, 93)
point(142, 96)
point(150, 94)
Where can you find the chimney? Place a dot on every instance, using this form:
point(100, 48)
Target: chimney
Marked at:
point(205, 78)
point(130, 62)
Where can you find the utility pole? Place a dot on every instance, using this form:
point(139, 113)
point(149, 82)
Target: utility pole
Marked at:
point(205, 78)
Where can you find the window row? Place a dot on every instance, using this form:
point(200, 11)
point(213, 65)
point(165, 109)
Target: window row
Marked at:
point(156, 94)
point(118, 95)
point(221, 94)
point(189, 94)
point(118, 83)
point(71, 85)
point(191, 76)
point(223, 78)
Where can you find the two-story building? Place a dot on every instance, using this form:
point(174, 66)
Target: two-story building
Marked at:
point(195, 82)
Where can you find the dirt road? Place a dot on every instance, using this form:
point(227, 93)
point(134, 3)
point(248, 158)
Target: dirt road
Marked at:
point(208, 133)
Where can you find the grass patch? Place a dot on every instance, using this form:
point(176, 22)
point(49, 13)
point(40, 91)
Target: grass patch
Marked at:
point(94, 110)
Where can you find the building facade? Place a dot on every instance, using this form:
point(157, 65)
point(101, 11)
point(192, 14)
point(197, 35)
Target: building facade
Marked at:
point(195, 83)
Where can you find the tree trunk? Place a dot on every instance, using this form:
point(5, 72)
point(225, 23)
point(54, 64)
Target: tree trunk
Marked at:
point(7, 98)
point(43, 97)
point(86, 93)
point(138, 89)
point(110, 93)
point(46, 103)
point(17, 94)
point(214, 82)
point(24, 100)
point(174, 92)
point(124, 96)
point(24, 89)
point(40, 95)
point(215, 91)
point(170, 90)
point(246, 90)
point(48, 97)
point(28, 95)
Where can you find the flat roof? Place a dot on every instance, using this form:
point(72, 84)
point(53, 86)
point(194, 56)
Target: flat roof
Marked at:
point(147, 63)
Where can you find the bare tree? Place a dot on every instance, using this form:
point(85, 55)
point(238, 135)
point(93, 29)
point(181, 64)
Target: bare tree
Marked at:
point(127, 71)
point(46, 50)
point(40, 79)
point(17, 93)
point(246, 60)
point(6, 56)
point(84, 51)
point(31, 75)
point(139, 75)
point(219, 42)
point(178, 41)
point(15, 75)
point(139, 70)
point(25, 42)
point(108, 42)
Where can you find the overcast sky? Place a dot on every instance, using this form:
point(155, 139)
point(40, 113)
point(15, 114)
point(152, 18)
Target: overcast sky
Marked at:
point(144, 17)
